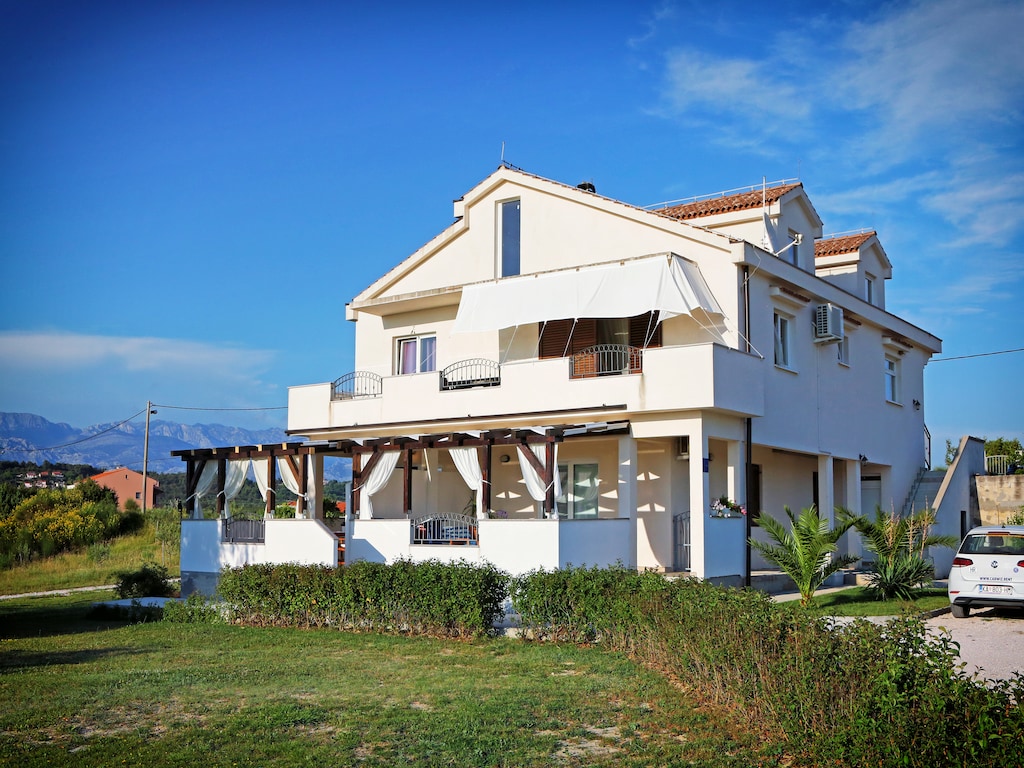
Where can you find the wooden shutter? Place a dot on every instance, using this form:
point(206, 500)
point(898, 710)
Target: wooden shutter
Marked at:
point(555, 337)
point(643, 326)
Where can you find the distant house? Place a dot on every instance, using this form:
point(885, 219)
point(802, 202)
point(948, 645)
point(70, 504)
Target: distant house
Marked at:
point(127, 484)
point(559, 377)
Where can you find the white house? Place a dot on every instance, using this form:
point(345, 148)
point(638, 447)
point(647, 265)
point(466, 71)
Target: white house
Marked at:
point(561, 378)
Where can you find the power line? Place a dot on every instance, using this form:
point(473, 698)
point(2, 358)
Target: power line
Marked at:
point(980, 354)
point(74, 442)
point(187, 408)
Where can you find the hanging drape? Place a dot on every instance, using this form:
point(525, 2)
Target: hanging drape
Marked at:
point(234, 478)
point(467, 461)
point(206, 479)
point(534, 484)
point(259, 470)
point(378, 478)
point(291, 482)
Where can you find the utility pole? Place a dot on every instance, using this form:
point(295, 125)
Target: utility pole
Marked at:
point(145, 456)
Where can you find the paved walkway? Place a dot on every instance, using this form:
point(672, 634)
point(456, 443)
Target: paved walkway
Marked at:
point(52, 592)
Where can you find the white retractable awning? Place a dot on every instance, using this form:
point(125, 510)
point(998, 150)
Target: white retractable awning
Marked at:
point(666, 283)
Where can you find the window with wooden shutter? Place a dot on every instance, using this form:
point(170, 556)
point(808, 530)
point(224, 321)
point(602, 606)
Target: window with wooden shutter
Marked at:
point(644, 328)
point(556, 337)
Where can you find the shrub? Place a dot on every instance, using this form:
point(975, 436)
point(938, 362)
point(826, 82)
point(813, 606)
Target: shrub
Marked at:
point(195, 609)
point(148, 581)
point(432, 598)
point(899, 543)
point(805, 549)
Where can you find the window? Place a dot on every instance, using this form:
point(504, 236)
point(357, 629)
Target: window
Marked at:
point(509, 213)
point(794, 238)
point(869, 289)
point(416, 354)
point(783, 357)
point(892, 379)
point(579, 497)
point(843, 350)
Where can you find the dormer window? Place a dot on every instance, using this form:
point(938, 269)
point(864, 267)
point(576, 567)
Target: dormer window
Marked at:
point(869, 289)
point(508, 237)
point(794, 257)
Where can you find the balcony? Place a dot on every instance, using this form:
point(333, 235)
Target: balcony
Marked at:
point(692, 377)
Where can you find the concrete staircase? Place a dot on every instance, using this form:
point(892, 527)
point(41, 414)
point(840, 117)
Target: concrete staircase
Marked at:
point(923, 492)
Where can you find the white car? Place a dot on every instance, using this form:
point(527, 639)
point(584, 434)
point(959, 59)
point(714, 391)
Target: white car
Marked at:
point(988, 570)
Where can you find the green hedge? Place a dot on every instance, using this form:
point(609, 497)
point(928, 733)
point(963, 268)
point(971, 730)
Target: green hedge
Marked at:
point(858, 694)
point(432, 598)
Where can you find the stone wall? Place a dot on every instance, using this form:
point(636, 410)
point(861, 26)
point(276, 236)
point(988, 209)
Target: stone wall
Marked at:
point(999, 496)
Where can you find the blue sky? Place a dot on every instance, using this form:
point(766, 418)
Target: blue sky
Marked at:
point(191, 192)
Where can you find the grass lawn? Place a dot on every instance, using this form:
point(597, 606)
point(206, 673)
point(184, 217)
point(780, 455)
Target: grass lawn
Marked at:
point(78, 569)
point(858, 601)
point(79, 691)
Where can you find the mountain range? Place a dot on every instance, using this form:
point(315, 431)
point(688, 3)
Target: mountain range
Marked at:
point(28, 437)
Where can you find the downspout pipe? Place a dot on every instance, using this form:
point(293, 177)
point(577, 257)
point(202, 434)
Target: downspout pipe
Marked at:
point(748, 434)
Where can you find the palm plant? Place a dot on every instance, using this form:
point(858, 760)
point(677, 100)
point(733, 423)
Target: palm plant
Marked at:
point(805, 549)
point(899, 543)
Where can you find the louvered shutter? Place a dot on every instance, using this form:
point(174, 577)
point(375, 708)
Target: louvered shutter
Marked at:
point(642, 326)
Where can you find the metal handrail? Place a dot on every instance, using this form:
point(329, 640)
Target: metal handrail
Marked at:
point(996, 465)
point(250, 531)
point(357, 384)
point(444, 528)
point(474, 372)
point(606, 360)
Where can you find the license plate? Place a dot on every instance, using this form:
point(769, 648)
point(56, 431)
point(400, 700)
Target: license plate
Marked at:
point(996, 589)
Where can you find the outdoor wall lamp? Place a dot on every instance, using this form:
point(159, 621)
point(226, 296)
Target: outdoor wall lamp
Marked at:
point(917, 404)
point(505, 458)
point(863, 459)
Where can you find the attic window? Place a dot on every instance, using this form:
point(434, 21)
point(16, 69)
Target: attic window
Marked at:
point(509, 223)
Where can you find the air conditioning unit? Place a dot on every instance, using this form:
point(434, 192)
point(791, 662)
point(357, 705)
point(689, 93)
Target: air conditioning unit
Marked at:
point(683, 447)
point(828, 323)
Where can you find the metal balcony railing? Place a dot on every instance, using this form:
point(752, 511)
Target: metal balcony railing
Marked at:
point(606, 360)
point(475, 372)
point(448, 528)
point(247, 531)
point(357, 384)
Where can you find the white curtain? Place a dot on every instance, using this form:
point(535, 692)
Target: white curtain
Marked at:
point(534, 484)
point(234, 477)
point(259, 471)
point(378, 478)
point(206, 478)
point(467, 461)
point(291, 482)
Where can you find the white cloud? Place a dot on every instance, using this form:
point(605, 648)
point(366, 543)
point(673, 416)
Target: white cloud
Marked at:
point(652, 24)
point(66, 352)
point(746, 90)
point(936, 66)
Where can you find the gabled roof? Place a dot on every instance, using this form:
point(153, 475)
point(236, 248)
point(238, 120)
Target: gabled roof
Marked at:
point(835, 245)
point(753, 198)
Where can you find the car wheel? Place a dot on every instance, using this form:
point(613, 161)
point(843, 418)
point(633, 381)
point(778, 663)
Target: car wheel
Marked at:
point(960, 611)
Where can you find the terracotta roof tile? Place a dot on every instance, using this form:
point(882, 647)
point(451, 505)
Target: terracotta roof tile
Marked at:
point(726, 203)
point(833, 246)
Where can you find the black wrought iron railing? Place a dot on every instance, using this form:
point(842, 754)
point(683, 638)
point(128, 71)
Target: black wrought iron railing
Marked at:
point(606, 360)
point(475, 372)
point(448, 528)
point(357, 384)
point(245, 531)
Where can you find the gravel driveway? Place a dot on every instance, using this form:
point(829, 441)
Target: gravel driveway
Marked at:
point(991, 640)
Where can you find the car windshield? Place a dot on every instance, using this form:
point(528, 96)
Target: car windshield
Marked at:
point(994, 544)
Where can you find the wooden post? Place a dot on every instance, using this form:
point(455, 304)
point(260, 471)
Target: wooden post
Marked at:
point(222, 469)
point(271, 482)
point(485, 491)
point(407, 483)
point(357, 484)
point(549, 477)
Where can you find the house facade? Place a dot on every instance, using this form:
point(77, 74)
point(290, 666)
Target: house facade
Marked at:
point(128, 484)
point(561, 378)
